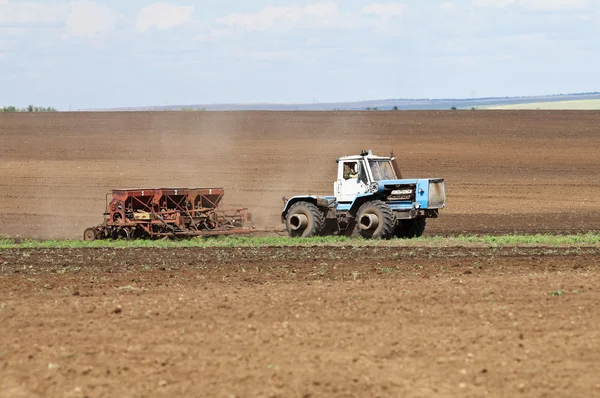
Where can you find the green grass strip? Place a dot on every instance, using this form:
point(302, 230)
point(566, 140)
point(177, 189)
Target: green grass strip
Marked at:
point(588, 239)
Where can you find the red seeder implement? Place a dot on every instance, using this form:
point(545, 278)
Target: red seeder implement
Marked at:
point(168, 212)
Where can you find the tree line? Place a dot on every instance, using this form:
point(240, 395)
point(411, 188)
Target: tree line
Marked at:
point(30, 108)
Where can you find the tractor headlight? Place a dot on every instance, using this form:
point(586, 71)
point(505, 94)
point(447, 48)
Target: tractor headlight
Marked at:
point(373, 187)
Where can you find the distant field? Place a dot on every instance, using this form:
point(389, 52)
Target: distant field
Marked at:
point(559, 105)
point(507, 162)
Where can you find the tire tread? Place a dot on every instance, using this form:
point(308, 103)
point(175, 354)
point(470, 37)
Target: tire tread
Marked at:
point(317, 216)
point(387, 224)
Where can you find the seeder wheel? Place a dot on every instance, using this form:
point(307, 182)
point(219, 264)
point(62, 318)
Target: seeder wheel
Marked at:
point(89, 234)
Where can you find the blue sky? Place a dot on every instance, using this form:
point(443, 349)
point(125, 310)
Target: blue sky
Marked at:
point(95, 54)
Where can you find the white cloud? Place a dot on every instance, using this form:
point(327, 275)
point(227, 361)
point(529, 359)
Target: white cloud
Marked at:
point(20, 13)
point(447, 6)
point(281, 17)
point(163, 16)
point(89, 19)
point(384, 12)
point(492, 3)
point(555, 4)
point(322, 15)
point(540, 5)
point(80, 18)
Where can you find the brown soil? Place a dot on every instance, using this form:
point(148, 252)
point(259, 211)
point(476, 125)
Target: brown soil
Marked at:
point(506, 171)
point(307, 321)
point(288, 322)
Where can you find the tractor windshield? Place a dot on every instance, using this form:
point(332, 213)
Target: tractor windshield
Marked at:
point(382, 170)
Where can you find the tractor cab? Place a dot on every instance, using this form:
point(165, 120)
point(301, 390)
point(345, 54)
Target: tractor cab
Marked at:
point(357, 173)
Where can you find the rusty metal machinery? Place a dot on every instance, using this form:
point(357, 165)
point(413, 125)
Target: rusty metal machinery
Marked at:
point(168, 212)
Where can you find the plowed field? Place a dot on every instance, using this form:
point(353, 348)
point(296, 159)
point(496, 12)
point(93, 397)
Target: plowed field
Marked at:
point(301, 321)
point(298, 322)
point(506, 171)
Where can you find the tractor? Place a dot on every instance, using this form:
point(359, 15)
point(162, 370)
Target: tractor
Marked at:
point(370, 196)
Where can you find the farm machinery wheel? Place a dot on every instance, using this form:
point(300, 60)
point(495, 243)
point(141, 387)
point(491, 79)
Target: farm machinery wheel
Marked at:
point(408, 229)
point(375, 220)
point(304, 219)
point(139, 233)
point(90, 234)
point(119, 233)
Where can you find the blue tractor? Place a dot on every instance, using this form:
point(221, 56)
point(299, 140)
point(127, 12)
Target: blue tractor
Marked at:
point(370, 196)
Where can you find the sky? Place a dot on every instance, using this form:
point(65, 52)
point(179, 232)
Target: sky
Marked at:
point(85, 54)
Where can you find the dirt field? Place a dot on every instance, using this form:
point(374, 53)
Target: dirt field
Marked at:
point(506, 171)
point(304, 321)
point(300, 322)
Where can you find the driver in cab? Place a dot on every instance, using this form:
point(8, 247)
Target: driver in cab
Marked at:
point(350, 171)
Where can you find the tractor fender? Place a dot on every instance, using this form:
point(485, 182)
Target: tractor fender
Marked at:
point(359, 200)
point(319, 201)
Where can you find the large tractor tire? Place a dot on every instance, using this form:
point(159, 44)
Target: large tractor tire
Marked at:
point(375, 220)
point(304, 220)
point(408, 229)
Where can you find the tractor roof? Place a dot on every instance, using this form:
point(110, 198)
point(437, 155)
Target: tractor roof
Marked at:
point(369, 156)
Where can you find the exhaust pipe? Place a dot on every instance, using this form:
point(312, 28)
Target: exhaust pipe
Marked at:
point(369, 222)
point(298, 221)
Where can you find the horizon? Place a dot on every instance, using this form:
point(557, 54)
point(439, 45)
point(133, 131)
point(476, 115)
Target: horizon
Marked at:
point(389, 102)
point(377, 104)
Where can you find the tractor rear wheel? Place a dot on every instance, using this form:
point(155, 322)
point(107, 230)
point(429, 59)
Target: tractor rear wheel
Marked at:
point(90, 234)
point(408, 229)
point(375, 220)
point(304, 219)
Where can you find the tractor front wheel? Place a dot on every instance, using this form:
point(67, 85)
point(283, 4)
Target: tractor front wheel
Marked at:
point(375, 220)
point(304, 219)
